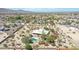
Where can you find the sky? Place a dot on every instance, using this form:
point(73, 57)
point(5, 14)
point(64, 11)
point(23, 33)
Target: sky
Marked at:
point(49, 9)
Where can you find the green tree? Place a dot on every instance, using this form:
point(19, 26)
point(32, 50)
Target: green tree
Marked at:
point(18, 17)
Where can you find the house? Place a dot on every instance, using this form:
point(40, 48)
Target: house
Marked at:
point(37, 34)
point(2, 28)
point(40, 31)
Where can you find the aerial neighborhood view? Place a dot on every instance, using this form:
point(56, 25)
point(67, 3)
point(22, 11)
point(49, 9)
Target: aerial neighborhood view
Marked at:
point(39, 28)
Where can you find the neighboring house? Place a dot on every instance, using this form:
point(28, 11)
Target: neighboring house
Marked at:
point(2, 28)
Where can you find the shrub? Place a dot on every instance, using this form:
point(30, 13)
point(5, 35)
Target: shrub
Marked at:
point(28, 47)
point(51, 38)
point(25, 40)
point(5, 45)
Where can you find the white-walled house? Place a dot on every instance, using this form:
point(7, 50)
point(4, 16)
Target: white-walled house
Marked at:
point(38, 33)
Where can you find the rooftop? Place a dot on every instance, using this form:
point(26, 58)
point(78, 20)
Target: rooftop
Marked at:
point(40, 31)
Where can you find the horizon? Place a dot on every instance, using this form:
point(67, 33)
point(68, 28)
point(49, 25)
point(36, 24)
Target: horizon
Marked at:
point(48, 9)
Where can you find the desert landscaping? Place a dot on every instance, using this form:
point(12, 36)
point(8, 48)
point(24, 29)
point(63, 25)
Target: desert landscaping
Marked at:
point(39, 31)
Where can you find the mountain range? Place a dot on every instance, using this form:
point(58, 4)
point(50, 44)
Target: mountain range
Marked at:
point(6, 10)
point(38, 10)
